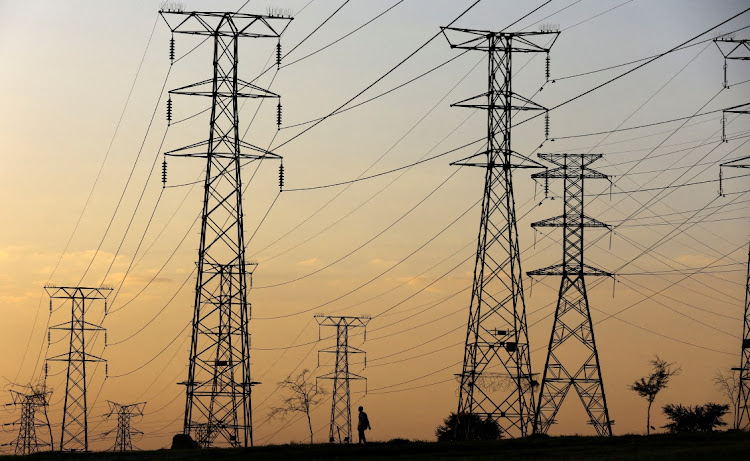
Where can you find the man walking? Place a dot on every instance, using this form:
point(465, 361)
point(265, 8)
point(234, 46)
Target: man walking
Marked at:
point(362, 425)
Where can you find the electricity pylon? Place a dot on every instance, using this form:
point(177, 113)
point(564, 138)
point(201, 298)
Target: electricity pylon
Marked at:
point(27, 441)
point(742, 411)
point(218, 385)
point(739, 109)
point(496, 380)
point(734, 50)
point(75, 430)
point(568, 364)
point(124, 432)
point(341, 414)
point(742, 162)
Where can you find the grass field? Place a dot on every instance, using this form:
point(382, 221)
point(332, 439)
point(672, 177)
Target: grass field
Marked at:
point(715, 446)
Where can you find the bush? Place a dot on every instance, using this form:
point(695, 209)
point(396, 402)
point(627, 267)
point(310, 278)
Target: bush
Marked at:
point(701, 418)
point(467, 426)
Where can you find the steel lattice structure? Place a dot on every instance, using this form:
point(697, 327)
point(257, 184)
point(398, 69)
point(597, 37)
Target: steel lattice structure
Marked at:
point(341, 415)
point(568, 365)
point(27, 441)
point(734, 50)
point(124, 431)
point(496, 379)
point(218, 386)
point(742, 162)
point(74, 436)
point(742, 411)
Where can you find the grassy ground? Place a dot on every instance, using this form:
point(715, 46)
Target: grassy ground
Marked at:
point(721, 446)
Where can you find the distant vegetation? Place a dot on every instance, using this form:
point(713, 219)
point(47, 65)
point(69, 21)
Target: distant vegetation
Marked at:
point(650, 385)
point(700, 418)
point(467, 427)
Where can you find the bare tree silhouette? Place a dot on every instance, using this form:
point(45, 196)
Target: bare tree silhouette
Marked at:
point(653, 383)
point(302, 395)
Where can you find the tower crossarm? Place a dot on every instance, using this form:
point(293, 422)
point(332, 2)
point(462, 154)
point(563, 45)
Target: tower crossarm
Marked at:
point(225, 24)
point(480, 160)
point(349, 321)
point(517, 102)
point(198, 150)
point(579, 221)
point(350, 376)
point(85, 326)
point(735, 49)
point(742, 162)
point(522, 42)
point(88, 293)
point(565, 173)
point(77, 357)
point(560, 269)
point(205, 88)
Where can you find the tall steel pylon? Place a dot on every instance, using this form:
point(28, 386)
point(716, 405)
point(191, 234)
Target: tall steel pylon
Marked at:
point(738, 109)
point(568, 364)
point(733, 50)
point(496, 380)
point(340, 428)
point(742, 410)
point(741, 162)
point(124, 431)
point(218, 385)
point(27, 441)
point(75, 431)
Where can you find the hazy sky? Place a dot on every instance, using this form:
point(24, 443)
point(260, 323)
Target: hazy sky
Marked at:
point(67, 73)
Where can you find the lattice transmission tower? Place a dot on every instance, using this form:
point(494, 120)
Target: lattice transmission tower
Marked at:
point(75, 431)
point(742, 410)
point(124, 431)
point(27, 441)
point(340, 428)
point(733, 50)
point(569, 365)
point(741, 162)
point(218, 385)
point(496, 380)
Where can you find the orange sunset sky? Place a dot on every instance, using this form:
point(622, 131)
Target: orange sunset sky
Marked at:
point(80, 81)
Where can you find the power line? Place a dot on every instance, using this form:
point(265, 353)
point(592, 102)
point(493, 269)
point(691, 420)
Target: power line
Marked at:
point(377, 80)
point(384, 230)
point(130, 176)
point(91, 192)
point(587, 92)
point(383, 173)
point(638, 60)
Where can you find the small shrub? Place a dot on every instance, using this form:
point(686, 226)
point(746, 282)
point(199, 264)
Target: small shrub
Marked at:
point(701, 418)
point(467, 426)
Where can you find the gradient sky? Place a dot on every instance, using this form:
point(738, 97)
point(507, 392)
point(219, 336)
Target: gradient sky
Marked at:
point(68, 68)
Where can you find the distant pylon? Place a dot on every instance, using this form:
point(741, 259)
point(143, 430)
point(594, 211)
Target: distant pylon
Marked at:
point(496, 380)
point(568, 364)
point(75, 433)
point(27, 441)
point(742, 162)
point(742, 411)
point(341, 415)
point(732, 49)
point(218, 385)
point(124, 431)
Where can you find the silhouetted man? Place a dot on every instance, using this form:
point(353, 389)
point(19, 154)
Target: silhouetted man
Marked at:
point(362, 425)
